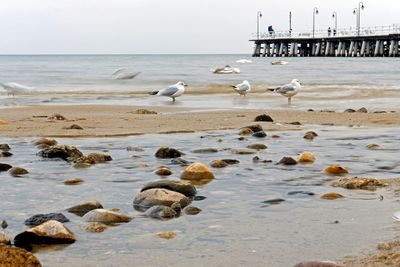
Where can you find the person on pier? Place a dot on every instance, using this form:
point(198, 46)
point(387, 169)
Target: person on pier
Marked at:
point(329, 32)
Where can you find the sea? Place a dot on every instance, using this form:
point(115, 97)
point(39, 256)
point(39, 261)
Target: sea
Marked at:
point(336, 83)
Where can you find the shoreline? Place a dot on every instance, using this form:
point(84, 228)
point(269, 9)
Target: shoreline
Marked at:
point(114, 121)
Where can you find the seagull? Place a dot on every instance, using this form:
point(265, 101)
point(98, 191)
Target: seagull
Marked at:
point(15, 88)
point(172, 91)
point(242, 88)
point(288, 90)
point(123, 74)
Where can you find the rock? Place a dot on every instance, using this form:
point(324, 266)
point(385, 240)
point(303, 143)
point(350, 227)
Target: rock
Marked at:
point(182, 187)
point(73, 127)
point(310, 135)
point(73, 181)
point(273, 201)
point(95, 227)
point(301, 193)
point(362, 110)
point(93, 158)
point(156, 196)
point(166, 235)
point(17, 257)
point(306, 157)
point(134, 148)
point(218, 164)
point(5, 154)
point(242, 151)
point(42, 218)
point(294, 123)
point(287, 161)
point(161, 212)
point(205, 150)
point(359, 183)
point(45, 141)
point(327, 111)
point(242, 138)
point(3, 122)
point(316, 264)
point(50, 232)
point(246, 131)
point(255, 127)
point(197, 171)
point(331, 196)
point(17, 172)
point(57, 116)
point(276, 136)
point(257, 159)
point(4, 224)
point(336, 170)
point(257, 146)
point(259, 134)
point(179, 161)
point(145, 111)
point(163, 171)
point(192, 210)
point(176, 207)
point(83, 208)
point(231, 161)
point(106, 216)
point(42, 146)
point(263, 117)
point(167, 153)
point(4, 239)
point(349, 110)
point(4, 167)
point(61, 151)
point(5, 147)
point(373, 146)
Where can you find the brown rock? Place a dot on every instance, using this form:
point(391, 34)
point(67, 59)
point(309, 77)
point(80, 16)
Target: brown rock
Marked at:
point(359, 183)
point(83, 208)
point(331, 196)
point(57, 116)
point(373, 146)
point(163, 171)
point(155, 196)
point(95, 227)
point(197, 171)
point(5, 154)
point(218, 164)
point(61, 151)
point(45, 141)
point(5, 147)
point(166, 235)
point(4, 167)
point(246, 131)
point(50, 232)
point(255, 127)
point(310, 135)
point(205, 150)
point(192, 210)
point(73, 181)
point(263, 117)
point(306, 157)
point(145, 111)
point(17, 172)
point(17, 257)
point(362, 110)
point(336, 170)
point(93, 158)
point(257, 146)
point(287, 161)
point(182, 187)
point(3, 122)
point(106, 216)
point(73, 127)
point(167, 153)
point(242, 151)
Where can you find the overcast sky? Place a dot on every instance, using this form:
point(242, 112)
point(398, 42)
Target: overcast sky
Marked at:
point(165, 26)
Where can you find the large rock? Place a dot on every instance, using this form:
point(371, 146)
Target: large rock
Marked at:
point(161, 212)
point(106, 216)
point(359, 183)
point(61, 151)
point(17, 171)
point(42, 218)
point(93, 158)
point(287, 161)
point(4, 167)
point(45, 141)
point(83, 208)
point(336, 170)
point(182, 187)
point(156, 196)
point(197, 171)
point(167, 153)
point(17, 257)
point(306, 157)
point(50, 232)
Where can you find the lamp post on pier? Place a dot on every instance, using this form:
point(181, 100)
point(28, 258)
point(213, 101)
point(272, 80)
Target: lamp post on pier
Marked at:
point(259, 15)
point(357, 12)
point(334, 15)
point(315, 12)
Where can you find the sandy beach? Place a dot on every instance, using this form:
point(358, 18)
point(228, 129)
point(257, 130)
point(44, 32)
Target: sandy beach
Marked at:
point(108, 121)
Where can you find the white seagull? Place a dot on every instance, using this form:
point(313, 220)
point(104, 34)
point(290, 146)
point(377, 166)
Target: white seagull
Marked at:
point(242, 88)
point(123, 74)
point(172, 91)
point(15, 88)
point(288, 90)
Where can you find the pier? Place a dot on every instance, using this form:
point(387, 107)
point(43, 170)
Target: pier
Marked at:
point(368, 42)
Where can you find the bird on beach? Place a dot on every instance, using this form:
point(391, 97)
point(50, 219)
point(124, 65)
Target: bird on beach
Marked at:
point(288, 90)
point(172, 91)
point(15, 88)
point(123, 74)
point(242, 88)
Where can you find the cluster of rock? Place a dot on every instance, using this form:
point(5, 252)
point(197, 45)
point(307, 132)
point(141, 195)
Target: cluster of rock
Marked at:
point(13, 171)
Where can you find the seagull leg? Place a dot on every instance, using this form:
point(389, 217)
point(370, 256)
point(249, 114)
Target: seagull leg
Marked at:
point(173, 99)
point(289, 100)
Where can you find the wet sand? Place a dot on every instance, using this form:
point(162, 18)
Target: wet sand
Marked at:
point(109, 121)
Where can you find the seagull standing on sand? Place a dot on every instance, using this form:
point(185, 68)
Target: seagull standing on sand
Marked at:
point(242, 88)
point(15, 88)
point(288, 90)
point(172, 91)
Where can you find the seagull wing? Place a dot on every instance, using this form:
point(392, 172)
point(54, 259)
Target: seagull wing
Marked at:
point(287, 88)
point(169, 91)
point(242, 87)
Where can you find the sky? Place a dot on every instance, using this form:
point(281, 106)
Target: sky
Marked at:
point(167, 26)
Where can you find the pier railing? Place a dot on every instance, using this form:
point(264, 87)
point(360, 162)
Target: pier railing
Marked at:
point(341, 32)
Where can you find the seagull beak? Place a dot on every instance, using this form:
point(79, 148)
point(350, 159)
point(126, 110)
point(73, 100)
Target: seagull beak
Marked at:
point(185, 85)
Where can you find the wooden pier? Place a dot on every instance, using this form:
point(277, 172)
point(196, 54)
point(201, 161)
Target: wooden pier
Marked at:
point(386, 45)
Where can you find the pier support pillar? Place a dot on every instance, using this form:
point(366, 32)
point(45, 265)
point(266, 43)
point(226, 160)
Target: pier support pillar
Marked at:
point(377, 46)
point(362, 51)
point(351, 48)
point(391, 48)
point(327, 48)
point(280, 50)
point(317, 49)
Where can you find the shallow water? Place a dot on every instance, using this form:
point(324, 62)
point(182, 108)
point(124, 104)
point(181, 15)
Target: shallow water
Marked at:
point(234, 228)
